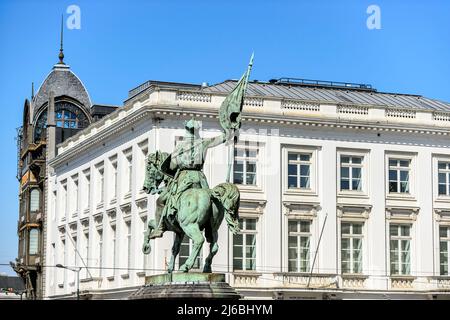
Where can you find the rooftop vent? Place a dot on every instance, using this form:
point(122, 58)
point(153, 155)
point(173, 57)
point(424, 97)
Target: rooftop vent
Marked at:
point(321, 83)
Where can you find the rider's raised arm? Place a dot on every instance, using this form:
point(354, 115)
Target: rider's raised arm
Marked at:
point(215, 141)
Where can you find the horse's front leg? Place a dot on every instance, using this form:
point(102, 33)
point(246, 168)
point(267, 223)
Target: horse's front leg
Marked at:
point(175, 250)
point(193, 231)
point(146, 248)
point(213, 248)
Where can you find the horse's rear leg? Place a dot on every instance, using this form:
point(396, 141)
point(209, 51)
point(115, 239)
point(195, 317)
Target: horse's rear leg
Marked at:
point(213, 248)
point(192, 231)
point(175, 251)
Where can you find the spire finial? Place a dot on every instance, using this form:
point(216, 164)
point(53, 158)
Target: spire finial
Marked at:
point(61, 53)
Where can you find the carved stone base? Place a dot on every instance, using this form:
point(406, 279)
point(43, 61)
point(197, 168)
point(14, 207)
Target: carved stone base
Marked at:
point(189, 285)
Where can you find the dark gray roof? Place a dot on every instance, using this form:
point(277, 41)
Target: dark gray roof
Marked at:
point(332, 95)
point(7, 282)
point(63, 82)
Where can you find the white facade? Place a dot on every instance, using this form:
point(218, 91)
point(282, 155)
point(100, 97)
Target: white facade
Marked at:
point(363, 178)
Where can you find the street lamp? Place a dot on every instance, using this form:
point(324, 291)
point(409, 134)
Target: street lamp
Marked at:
point(77, 270)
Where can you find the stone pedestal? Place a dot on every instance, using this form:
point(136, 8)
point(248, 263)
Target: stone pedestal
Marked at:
point(189, 285)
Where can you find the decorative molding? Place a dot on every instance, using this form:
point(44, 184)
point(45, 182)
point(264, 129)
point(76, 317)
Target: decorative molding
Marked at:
point(245, 279)
point(112, 214)
point(252, 206)
point(352, 211)
point(315, 280)
point(85, 224)
point(301, 209)
point(442, 215)
point(441, 116)
point(402, 282)
point(402, 213)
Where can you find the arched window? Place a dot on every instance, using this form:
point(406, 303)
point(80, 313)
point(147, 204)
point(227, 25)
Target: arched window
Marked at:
point(67, 115)
point(34, 200)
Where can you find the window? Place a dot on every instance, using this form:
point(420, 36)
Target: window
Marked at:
point(74, 238)
point(128, 228)
point(75, 191)
point(100, 185)
point(34, 241)
point(100, 252)
point(114, 245)
point(351, 247)
point(244, 168)
point(444, 244)
point(86, 252)
point(400, 247)
point(299, 170)
point(444, 178)
point(88, 190)
point(399, 173)
point(66, 119)
point(114, 179)
point(185, 251)
point(34, 200)
point(64, 202)
point(351, 173)
point(244, 245)
point(299, 242)
point(129, 172)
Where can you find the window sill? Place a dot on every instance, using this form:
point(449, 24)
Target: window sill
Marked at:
point(399, 196)
point(402, 277)
point(249, 188)
point(75, 214)
point(85, 280)
point(353, 194)
point(110, 278)
point(140, 274)
point(299, 191)
point(125, 276)
point(127, 195)
point(86, 211)
point(443, 199)
point(113, 201)
point(61, 285)
point(354, 276)
point(100, 205)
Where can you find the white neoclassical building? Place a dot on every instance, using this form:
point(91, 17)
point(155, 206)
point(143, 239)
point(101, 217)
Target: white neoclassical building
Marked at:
point(345, 193)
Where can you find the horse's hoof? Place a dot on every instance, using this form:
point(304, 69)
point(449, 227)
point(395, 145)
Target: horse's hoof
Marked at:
point(207, 270)
point(184, 268)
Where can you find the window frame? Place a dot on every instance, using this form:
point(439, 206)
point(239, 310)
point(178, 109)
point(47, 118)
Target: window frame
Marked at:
point(411, 195)
point(365, 173)
point(313, 172)
point(352, 236)
point(243, 257)
point(300, 234)
point(252, 146)
point(399, 238)
point(447, 240)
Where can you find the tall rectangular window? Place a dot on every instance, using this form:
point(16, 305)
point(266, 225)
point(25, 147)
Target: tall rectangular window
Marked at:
point(76, 194)
point(400, 249)
point(129, 172)
point(185, 251)
point(351, 247)
point(114, 179)
point(114, 245)
point(299, 170)
point(88, 190)
point(399, 175)
point(245, 161)
point(444, 244)
point(34, 241)
point(128, 228)
point(244, 245)
point(64, 202)
point(100, 253)
point(444, 178)
point(100, 184)
point(351, 173)
point(299, 242)
point(86, 251)
point(34, 199)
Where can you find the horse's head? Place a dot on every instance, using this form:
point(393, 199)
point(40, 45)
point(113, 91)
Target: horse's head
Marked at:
point(154, 175)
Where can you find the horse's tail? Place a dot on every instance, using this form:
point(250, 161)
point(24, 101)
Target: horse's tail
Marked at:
point(229, 197)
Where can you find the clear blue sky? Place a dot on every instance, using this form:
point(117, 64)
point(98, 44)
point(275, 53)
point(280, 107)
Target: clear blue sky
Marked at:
point(124, 43)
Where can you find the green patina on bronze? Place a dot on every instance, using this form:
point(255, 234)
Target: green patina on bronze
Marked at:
point(186, 205)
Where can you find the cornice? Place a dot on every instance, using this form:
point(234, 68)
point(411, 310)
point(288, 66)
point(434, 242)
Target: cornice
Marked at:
point(158, 110)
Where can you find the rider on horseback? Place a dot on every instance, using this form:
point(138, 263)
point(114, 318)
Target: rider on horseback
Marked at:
point(185, 164)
